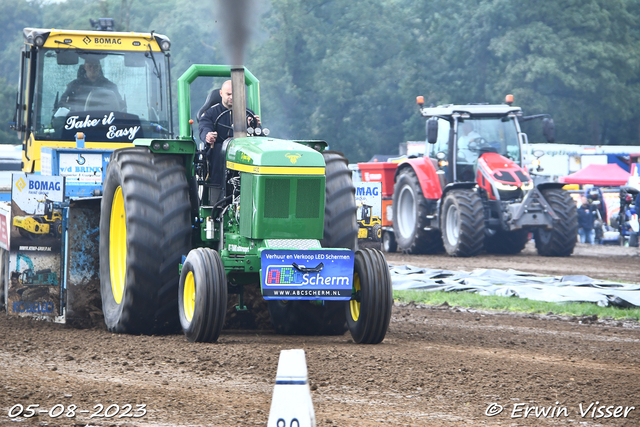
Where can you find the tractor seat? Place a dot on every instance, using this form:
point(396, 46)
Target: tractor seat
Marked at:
point(212, 99)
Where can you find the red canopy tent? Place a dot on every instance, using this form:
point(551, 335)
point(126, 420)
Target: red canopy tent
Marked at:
point(609, 175)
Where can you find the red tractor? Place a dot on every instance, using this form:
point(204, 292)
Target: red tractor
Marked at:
point(471, 191)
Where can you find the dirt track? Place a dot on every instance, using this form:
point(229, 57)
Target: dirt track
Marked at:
point(437, 366)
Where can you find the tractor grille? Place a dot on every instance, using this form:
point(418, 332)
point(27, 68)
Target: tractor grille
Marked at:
point(276, 198)
point(308, 198)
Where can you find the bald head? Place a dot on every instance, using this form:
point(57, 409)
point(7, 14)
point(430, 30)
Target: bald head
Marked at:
point(225, 93)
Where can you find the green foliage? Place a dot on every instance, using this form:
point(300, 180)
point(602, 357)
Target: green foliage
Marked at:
point(348, 72)
point(521, 305)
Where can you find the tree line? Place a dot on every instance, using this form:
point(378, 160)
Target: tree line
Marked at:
point(349, 72)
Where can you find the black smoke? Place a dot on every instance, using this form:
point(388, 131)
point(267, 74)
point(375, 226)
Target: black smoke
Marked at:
point(235, 17)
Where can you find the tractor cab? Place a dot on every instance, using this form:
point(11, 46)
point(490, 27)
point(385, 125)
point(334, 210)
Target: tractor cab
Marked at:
point(113, 87)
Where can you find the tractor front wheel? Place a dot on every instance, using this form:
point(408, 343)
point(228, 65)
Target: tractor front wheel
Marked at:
point(145, 229)
point(562, 238)
point(369, 312)
point(202, 295)
point(462, 223)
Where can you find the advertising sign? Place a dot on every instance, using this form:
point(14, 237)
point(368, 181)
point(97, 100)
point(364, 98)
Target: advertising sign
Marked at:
point(369, 210)
point(304, 275)
point(35, 237)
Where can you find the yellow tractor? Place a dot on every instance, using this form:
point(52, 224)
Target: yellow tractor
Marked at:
point(40, 225)
point(369, 227)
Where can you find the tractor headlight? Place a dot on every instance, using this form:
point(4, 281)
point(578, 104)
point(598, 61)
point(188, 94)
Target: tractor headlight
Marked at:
point(165, 45)
point(527, 186)
point(39, 41)
point(166, 146)
point(250, 131)
point(258, 131)
point(505, 187)
point(155, 146)
point(266, 132)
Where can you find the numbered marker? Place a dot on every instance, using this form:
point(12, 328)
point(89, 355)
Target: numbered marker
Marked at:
point(291, 405)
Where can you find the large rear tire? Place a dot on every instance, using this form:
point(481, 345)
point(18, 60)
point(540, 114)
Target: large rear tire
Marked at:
point(202, 295)
point(145, 230)
point(462, 223)
point(410, 217)
point(506, 242)
point(340, 231)
point(561, 240)
point(369, 313)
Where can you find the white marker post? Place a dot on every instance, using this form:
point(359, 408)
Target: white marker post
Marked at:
point(291, 405)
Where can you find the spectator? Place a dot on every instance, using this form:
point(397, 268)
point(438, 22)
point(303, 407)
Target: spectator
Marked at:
point(586, 217)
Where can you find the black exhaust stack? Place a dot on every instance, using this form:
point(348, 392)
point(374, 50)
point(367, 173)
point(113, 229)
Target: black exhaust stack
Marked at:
point(239, 102)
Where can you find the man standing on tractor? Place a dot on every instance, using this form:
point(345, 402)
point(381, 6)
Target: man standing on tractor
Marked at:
point(215, 127)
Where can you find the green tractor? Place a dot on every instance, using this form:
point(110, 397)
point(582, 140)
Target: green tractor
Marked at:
point(170, 254)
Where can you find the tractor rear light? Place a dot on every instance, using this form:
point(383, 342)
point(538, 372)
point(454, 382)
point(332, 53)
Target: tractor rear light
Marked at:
point(250, 131)
point(266, 132)
point(166, 146)
point(155, 146)
point(258, 131)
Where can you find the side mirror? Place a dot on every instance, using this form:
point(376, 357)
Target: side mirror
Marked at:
point(432, 130)
point(549, 130)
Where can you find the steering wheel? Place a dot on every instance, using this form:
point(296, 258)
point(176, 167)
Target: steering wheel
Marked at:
point(476, 144)
point(253, 123)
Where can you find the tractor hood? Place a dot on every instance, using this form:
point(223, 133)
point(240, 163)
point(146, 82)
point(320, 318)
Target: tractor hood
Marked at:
point(501, 177)
point(253, 154)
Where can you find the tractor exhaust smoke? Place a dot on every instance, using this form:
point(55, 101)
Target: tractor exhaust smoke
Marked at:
point(234, 19)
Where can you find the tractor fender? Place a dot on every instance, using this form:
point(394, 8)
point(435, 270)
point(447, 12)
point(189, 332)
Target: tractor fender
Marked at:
point(547, 185)
point(426, 174)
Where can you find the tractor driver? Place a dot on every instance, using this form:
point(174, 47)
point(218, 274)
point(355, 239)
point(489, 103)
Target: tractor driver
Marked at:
point(215, 137)
point(465, 137)
point(91, 79)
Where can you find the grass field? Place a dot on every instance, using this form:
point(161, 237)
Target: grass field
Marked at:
point(522, 305)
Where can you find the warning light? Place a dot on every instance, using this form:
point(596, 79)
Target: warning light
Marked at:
point(508, 99)
point(420, 100)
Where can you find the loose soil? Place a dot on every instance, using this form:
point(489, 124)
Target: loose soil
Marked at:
point(438, 366)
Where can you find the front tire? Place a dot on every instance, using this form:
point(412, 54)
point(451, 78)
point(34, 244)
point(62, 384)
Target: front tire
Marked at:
point(202, 295)
point(368, 315)
point(144, 231)
point(340, 231)
point(462, 223)
point(561, 240)
point(410, 217)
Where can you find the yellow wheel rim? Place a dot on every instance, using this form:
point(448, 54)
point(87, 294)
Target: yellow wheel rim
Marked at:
point(353, 304)
point(189, 296)
point(117, 245)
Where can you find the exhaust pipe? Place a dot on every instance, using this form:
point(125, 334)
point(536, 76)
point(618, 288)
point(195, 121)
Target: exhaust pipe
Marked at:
point(239, 102)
